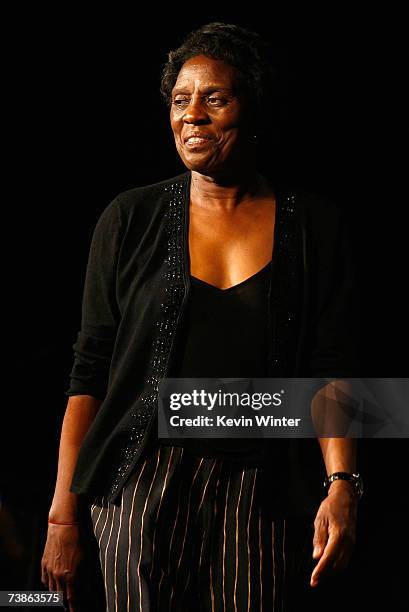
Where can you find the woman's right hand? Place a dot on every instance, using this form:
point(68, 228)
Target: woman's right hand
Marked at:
point(59, 565)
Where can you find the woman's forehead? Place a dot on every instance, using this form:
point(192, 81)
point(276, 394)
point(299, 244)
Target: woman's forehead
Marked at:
point(205, 72)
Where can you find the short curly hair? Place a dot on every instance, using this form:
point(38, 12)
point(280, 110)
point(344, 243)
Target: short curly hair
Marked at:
point(243, 49)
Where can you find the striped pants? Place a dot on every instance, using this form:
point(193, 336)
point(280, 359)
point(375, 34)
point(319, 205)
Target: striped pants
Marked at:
point(190, 534)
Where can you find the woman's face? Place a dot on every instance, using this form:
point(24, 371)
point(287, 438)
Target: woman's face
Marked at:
point(209, 118)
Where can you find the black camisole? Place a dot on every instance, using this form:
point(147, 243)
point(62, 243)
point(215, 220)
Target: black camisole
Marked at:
point(223, 335)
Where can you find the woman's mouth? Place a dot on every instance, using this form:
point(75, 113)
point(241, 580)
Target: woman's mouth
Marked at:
point(194, 142)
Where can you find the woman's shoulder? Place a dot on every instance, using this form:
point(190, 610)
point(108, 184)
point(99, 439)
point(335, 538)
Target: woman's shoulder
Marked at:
point(133, 209)
point(324, 218)
point(317, 206)
point(146, 196)
point(319, 212)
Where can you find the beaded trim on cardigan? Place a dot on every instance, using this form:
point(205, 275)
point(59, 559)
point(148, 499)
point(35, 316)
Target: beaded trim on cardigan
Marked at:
point(284, 299)
point(174, 291)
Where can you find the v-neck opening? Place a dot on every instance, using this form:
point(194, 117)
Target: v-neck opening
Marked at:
point(186, 223)
point(229, 289)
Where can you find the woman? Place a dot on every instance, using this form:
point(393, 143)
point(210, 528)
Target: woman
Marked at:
point(213, 273)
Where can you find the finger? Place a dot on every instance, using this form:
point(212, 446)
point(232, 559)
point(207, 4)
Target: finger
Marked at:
point(44, 576)
point(324, 565)
point(336, 557)
point(59, 584)
point(320, 539)
point(71, 596)
point(51, 583)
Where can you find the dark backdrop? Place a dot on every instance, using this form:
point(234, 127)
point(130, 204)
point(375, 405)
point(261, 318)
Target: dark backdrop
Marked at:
point(87, 122)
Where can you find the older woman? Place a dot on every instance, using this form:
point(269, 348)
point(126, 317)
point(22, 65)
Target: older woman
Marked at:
point(213, 273)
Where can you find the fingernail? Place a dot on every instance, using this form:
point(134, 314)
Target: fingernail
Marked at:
point(316, 550)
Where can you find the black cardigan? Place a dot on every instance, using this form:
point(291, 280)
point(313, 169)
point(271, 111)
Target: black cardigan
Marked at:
point(136, 287)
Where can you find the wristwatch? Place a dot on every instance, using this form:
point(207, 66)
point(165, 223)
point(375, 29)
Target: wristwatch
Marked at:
point(354, 479)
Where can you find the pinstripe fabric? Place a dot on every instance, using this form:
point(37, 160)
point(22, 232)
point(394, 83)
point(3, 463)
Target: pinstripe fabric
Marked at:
point(189, 533)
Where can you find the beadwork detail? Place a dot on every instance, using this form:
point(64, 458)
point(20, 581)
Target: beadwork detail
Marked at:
point(174, 289)
point(286, 301)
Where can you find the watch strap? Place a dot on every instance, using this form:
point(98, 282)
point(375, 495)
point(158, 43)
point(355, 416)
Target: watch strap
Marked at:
point(354, 479)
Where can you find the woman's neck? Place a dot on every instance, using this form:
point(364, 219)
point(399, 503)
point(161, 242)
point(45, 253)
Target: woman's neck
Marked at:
point(225, 193)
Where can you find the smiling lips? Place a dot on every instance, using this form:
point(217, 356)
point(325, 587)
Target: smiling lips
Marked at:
point(196, 139)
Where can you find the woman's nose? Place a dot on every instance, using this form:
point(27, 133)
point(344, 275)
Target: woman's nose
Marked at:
point(195, 113)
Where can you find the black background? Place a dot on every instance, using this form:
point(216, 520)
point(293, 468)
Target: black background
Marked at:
point(86, 121)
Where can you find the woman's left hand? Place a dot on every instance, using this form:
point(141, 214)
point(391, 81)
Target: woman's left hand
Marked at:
point(334, 531)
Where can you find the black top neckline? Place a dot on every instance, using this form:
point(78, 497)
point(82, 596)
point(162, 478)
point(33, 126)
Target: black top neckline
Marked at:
point(230, 289)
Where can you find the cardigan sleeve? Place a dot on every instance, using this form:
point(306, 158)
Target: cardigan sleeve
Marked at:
point(100, 312)
point(334, 328)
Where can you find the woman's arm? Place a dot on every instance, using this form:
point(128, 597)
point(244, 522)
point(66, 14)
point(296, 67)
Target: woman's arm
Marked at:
point(334, 354)
point(63, 550)
point(334, 526)
point(339, 455)
point(79, 415)
point(335, 523)
point(88, 386)
point(331, 417)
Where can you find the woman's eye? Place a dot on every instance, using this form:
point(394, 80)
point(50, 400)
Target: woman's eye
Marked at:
point(180, 102)
point(211, 100)
point(215, 101)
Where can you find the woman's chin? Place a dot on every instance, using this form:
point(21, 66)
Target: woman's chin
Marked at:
point(198, 166)
point(214, 165)
point(202, 164)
